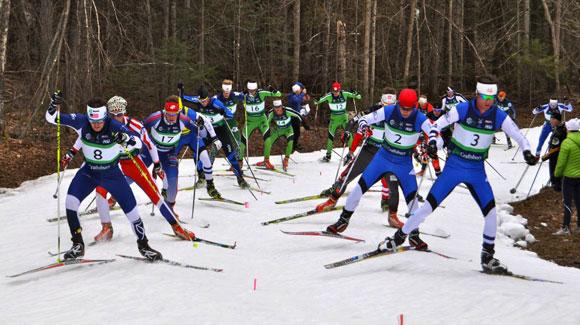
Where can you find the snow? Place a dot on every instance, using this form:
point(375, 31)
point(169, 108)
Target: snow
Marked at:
point(292, 285)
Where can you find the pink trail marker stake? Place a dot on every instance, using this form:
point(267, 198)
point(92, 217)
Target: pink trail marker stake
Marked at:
point(401, 319)
point(255, 286)
point(246, 205)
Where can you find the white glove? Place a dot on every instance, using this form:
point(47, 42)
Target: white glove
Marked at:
point(305, 110)
point(217, 144)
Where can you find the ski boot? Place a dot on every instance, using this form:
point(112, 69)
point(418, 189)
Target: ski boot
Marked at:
point(242, 183)
point(327, 205)
point(509, 143)
point(212, 191)
point(78, 248)
point(334, 189)
point(391, 243)
point(285, 164)
point(564, 231)
point(106, 232)
point(394, 220)
point(341, 224)
point(489, 264)
point(148, 252)
point(182, 232)
point(164, 193)
point(417, 242)
point(326, 158)
point(200, 180)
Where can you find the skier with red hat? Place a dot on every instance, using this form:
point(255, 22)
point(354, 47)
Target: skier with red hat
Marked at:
point(337, 102)
point(403, 125)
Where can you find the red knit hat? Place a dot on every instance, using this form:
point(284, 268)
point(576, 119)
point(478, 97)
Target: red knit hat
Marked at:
point(408, 98)
point(336, 86)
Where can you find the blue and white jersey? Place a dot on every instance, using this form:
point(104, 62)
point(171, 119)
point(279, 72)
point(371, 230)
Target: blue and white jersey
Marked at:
point(216, 111)
point(447, 103)
point(400, 134)
point(507, 106)
point(474, 131)
point(547, 110)
point(100, 150)
point(232, 101)
point(166, 136)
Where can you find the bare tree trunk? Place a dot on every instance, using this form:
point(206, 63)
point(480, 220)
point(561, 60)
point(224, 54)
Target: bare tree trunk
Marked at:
point(526, 23)
point(461, 41)
point(164, 71)
point(296, 56)
point(341, 53)
point(409, 45)
point(149, 29)
point(326, 42)
point(450, 44)
point(373, 50)
point(418, 55)
point(202, 36)
point(555, 32)
point(400, 45)
point(45, 21)
point(237, 42)
point(4, 23)
point(49, 64)
point(366, 49)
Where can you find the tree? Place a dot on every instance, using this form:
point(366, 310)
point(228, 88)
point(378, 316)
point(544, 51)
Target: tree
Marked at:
point(4, 22)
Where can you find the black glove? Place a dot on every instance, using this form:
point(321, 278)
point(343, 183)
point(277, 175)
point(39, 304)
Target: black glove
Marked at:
point(529, 158)
point(200, 122)
point(157, 170)
point(180, 89)
point(55, 99)
point(347, 158)
point(432, 149)
point(345, 137)
point(124, 139)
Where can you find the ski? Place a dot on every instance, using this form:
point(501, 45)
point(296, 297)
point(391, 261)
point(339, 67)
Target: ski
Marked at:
point(209, 242)
point(322, 234)
point(233, 175)
point(377, 252)
point(364, 256)
point(304, 198)
point(275, 170)
point(222, 200)
point(300, 215)
point(81, 261)
point(522, 277)
point(172, 263)
point(441, 234)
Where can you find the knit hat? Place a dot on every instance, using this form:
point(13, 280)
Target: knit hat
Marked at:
point(408, 98)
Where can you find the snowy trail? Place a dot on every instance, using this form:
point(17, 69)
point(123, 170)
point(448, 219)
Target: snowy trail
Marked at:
point(292, 284)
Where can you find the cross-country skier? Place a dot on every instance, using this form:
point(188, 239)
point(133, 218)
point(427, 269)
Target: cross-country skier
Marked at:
point(507, 106)
point(135, 170)
point(280, 125)
point(217, 113)
point(547, 109)
point(337, 102)
point(403, 125)
point(298, 102)
point(166, 127)
point(451, 100)
point(256, 118)
point(558, 135)
point(475, 124)
point(101, 139)
point(355, 166)
point(231, 99)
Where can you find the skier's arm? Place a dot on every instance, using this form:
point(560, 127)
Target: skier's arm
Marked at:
point(190, 99)
point(74, 121)
point(353, 95)
point(540, 109)
point(371, 118)
point(223, 109)
point(564, 107)
point(124, 136)
point(293, 113)
point(264, 93)
point(511, 129)
point(326, 98)
point(193, 123)
point(444, 121)
point(150, 145)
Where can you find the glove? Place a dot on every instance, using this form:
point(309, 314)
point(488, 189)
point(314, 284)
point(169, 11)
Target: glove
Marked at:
point(347, 158)
point(305, 110)
point(180, 89)
point(55, 100)
point(216, 143)
point(157, 171)
point(432, 149)
point(68, 156)
point(200, 122)
point(529, 158)
point(345, 137)
point(124, 139)
point(366, 131)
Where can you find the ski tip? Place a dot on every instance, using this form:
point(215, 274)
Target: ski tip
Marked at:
point(235, 245)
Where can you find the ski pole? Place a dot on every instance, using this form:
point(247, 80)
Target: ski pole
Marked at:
point(352, 163)
point(513, 190)
point(316, 119)
point(195, 173)
point(245, 158)
point(59, 178)
point(533, 181)
point(500, 175)
point(525, 136)
point(408, 214)
point(340, 159)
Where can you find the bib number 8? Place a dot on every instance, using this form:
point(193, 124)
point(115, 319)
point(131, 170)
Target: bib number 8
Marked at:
point(98, 154)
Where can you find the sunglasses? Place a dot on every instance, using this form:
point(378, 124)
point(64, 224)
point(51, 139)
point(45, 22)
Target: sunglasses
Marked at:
point(171, 114)
point(406, 109)
point(487, 97)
